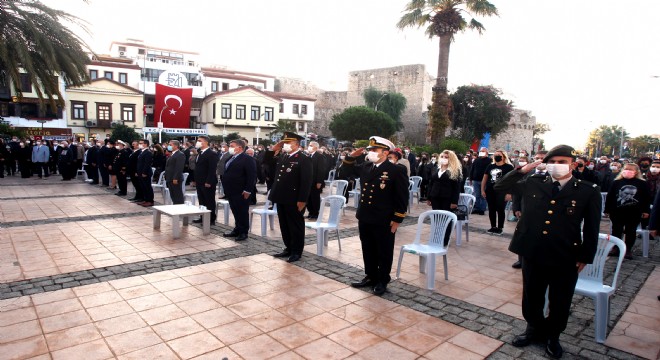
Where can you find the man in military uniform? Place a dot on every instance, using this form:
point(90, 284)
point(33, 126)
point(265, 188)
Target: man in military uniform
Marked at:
point(293, 182)
point(120, 166)
point(383, 204)
point(553, 244)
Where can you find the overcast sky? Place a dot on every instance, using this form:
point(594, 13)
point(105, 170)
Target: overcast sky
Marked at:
point(575, 64)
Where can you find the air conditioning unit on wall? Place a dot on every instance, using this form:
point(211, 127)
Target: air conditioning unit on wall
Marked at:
point(91, 123)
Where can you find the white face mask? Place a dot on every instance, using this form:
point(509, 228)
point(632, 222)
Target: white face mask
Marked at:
point(232, 151)
point(603, 161)
point(141, 146)
point(433, 161)
point(654, 170)
point(342, 157)
point(590, 167)
point(372, 156)
point(198, 144)
point(286, 148)
point(522, 163)
point(558, 170)
point(541, 167)
point(443, 161)
point(310, 149)
point(483, 154)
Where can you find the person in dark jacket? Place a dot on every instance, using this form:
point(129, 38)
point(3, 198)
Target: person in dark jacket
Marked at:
point(496, 199)
point(424, 171)
point(608, 177)
point(445, 185)
point(345, 172)
point(206, 179)
point(557, 236)
point(120, 166)
point(159, 161)
point(91, 159)
point(383, 205)
point(66, 160)
point(131, 168)
point(319, 174)
point(107, 155)
point(174, 172)
point(627, 203)
point(238, 183)
point(112, 171)
point(144, 173)
point(290, 192)
point(583, 173)
point(476, 177)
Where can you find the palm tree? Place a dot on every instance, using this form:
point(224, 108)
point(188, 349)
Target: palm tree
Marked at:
point(282, 126)
point(33, 41)
point(443, 18)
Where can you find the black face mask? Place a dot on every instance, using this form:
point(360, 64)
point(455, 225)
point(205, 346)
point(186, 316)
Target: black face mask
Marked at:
point(580, 165)
point(498, 158)
point(644, 166)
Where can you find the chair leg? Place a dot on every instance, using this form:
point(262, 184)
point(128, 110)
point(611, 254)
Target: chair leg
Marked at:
point(467, 233)
point(272, 221)
point(263, 224)
point(325, 237)
point(338, 240)
point(430, 272)
point(249, 223)
point(459, 232)
point(602, 305)
point(444, 260)
point(319, 242)
point(398, 266)
point(422, 264)
point(225, 208)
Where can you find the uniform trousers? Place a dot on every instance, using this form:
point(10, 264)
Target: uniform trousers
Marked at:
point(561, 280)
point(292, 227)
point(147, 190)
point(206, 197)
point(625, 223)
point(377, 251)
point(122, 182)
point(314, 201)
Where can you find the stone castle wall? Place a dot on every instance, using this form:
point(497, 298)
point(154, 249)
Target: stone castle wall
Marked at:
point(519, 134)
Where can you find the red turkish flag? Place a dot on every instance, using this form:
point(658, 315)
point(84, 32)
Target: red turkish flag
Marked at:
point(173, 106)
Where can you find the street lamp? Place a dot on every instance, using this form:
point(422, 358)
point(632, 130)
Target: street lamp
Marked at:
point(378, 102)
point(257, 130)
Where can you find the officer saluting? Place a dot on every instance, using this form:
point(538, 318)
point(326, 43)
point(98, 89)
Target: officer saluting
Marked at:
point(548, 237)
point(290, 191)
point(383, 204)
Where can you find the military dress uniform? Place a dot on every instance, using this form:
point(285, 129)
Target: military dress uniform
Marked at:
point(383, 200)
point(551, 239)
point(292, 184)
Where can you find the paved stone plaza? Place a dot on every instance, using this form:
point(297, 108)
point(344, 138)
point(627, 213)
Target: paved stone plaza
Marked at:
point(83, 275)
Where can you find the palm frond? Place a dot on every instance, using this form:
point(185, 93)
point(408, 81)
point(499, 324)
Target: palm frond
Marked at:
point(481, 7)
point(476, 25)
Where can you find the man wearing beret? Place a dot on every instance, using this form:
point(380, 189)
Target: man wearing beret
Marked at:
point(552, 241)
point(383, 204)
point(290, 191)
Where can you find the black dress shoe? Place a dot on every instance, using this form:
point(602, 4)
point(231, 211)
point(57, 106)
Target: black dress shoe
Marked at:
point(241, 237)
point(284, 254)
point(380, 289)
point(363, 283)
point(554, 349)
point(293, 258)
point(517, 265)
point(527, 337)
point(230, 234)
point(136, 200)
point(121, 194)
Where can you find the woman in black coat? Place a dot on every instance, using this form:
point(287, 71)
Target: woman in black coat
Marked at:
point(444, 186)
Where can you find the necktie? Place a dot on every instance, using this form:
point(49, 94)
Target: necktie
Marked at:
point(555, 188)
point(229, 161)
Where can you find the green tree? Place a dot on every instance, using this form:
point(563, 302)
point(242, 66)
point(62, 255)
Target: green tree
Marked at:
point(282, 126)
point(444, 19)
point(7, 130)
point(539, 130)
point(391, 103)
point(361, 122)
point(642, 145)
point(606, 140)
point(478, 110)
point(34, 40)
point(127, 134)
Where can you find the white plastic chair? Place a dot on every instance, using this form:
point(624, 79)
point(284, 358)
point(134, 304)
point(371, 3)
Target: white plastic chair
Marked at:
point(356, 193)
point(160, 185)
point(338, 187)
point(468, 201)
point(414, 189)
point(590, 282)
point(468, 189)
point(225, 209)
point(331, 177)
point(646, 238)
point(322, 228)
point(266, 214)
point(440, 221)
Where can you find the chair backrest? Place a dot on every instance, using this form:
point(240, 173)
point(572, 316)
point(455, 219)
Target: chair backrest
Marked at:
point(357, 186)
point(410, 184)
point(336, 203)
point(468, 189)
point(183, 184)
point(161, 179)
point(468, 201)
point(440, 221)
point(331, 175)
point(338, 187)
point(594, 271)
point(417, 180)
point(268, 203)
point(603, 197)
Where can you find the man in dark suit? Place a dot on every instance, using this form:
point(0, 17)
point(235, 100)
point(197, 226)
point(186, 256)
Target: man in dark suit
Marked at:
point(238, 182)
point(557, 235)
point(174, 172)
point(66, 160)
point(383, 205)
point(205, 178)
point(121, 166)
point(319, 173)
point(132, 171)
point(223, 156)
point(144, 173)
point(290, 191)
point(92, 167)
